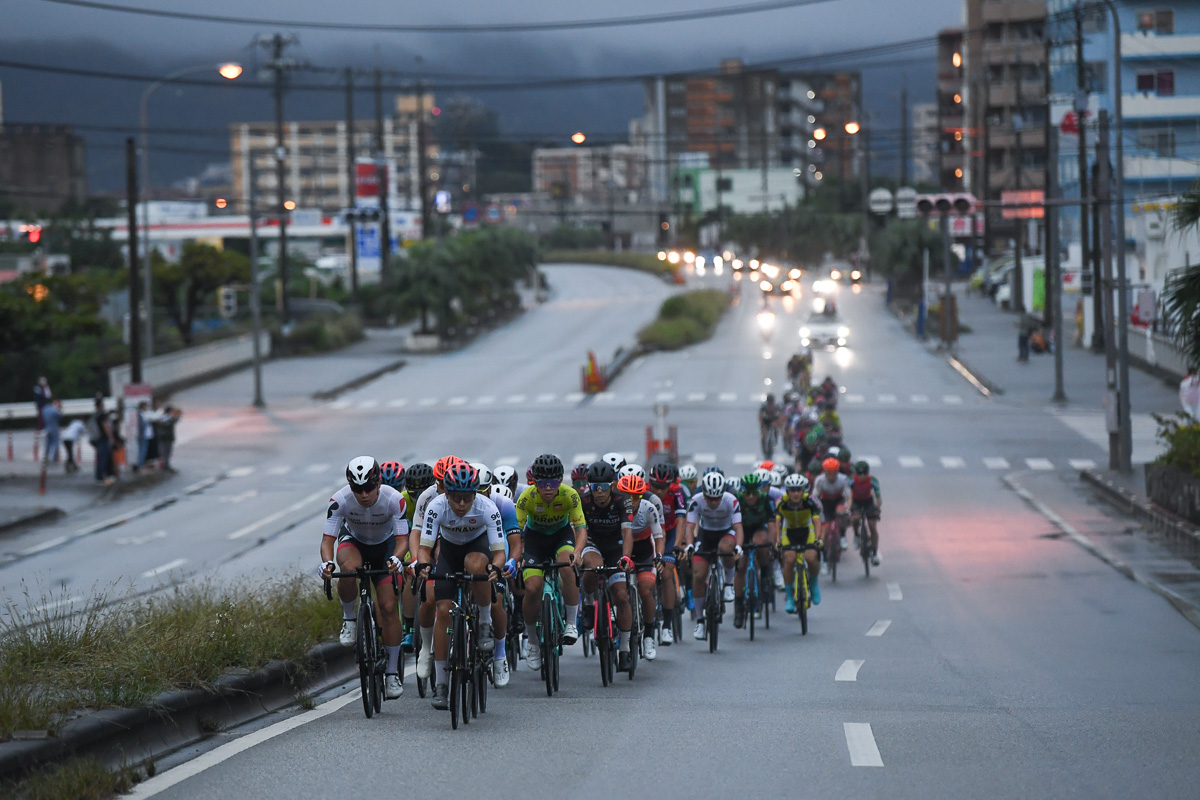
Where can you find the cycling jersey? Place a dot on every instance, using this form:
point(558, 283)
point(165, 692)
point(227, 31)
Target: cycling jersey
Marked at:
point(798, 518)
point(646, 522)
point(483, 518)
point(508, 514)
point(826, 490)
point(605, 523)
point(535, 514)
point(768, 413)
point(863, 487)
point(674, 506)
point(410, 507)
point(367, 524)
point(721, 518)
point(756, 516)
point(423, 502)
point(775, 493)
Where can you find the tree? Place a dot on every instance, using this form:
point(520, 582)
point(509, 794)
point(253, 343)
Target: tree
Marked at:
point(1181, 294)
point(182, 287)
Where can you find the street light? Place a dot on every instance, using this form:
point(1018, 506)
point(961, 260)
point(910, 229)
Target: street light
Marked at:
point(229, 71)
point(578, 137)
point(852, 127)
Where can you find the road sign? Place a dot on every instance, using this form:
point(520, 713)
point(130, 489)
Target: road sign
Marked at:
point(470, 212)
point(1027, 204)
point(493, 213)
point(880, 201)
point(906, 202)
point(368, 241)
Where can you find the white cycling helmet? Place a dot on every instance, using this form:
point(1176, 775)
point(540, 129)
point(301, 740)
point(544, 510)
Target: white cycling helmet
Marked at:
point(363, 472)
point(614, 460)
point(713, 484)
point(501, 490)
point(776, 478)
point(782, 469)
point(631, 469)
point(505, 476)
point(733, 484)
point(833, 452)
point(764, 475)
point(796, 481)
point(688, 473)
point(485, 474)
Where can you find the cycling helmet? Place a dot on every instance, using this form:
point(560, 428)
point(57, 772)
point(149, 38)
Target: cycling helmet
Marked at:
point(770, 398)
point(814, 465)
point(833, 452)
point(713, 484)
point(579, 472)
point(733, 484)
point(632, 484)
point(780, 469)
point(392, 473)
point(796, 481)
point(768, 464)
point(663, 473)
point(485, 474)
point(776, 479)
point(632, 469)
point(601, 472)
point(529, 476)
point(752, 481)
point(500, 490)
point(862, 468)
point(546, 467)
point(831, 464)
point(418, 477)
point(715, 469)
point(505, 476)
point(442, 464)
point(363, 473)
point(688, 473)
point(764, 475)
point(461, 477)
point(615, 460)
point(844, 455)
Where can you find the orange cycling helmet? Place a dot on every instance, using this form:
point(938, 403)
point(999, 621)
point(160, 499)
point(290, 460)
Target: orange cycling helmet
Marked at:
point(632, 484)
point(444, 463)
point(767, 465)
point(831, 465)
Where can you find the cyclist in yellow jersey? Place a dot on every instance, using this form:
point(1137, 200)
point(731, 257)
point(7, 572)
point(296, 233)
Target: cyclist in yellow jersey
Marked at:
point(799, 523)
point(553, 529)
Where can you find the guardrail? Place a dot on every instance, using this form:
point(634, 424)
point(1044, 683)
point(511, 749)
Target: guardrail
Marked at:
point(70, 408)
point(175, 370)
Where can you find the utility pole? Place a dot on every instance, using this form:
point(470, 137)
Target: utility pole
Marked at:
point(864, 252)
point(1018, 122)
point(351, 182)
point(131, 203)
point(904, 154)
point(255, 299)
point(1087, 269)
point(383, 164)
point(987, 167)
point(1049, 217)
point(280, 67)
point(422, 167)
point(1054, 263)
point(1104, 203)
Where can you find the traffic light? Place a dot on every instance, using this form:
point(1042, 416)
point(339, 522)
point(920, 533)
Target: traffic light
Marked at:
point(361, 215)
point(958, 203)
point(31, 233)
point(664, 230)
point(227, 297)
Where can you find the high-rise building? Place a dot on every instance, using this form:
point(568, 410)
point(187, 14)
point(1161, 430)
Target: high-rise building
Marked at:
point(951, 147)
point(42, 166)
point(925, 143)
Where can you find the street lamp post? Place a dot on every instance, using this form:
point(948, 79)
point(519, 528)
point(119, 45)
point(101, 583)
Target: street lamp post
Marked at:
point(864, 174)
point(228, 71)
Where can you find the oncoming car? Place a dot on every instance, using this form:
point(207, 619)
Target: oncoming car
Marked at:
point(824, 330)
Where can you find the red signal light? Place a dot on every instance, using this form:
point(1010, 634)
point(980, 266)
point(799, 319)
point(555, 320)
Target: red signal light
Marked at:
point(34, 234)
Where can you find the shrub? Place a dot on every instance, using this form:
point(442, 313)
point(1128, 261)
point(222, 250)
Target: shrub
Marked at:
point(1181, 435)
point(645, 262)
point(318, 334)
point(685, 319)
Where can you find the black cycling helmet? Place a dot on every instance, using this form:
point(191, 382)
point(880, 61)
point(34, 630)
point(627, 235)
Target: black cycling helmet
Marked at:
point(418, 477)
point(663, 473)
point(547, 467)
point(844, 454)
point(862, 468)
point(601, 472)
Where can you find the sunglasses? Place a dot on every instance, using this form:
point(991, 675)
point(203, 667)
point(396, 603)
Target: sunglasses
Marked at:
point(551, 484)
point(460, 497)
point(361, 490)
point(660, 486)
point(602, 487)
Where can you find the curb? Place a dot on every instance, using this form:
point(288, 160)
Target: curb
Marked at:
point(1175, 528)
point(981, 383)
point(177, 719)
point(361, 380)
point(35, 517)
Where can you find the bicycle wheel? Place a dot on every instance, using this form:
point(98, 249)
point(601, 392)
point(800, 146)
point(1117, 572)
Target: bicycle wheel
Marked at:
point(751, 605)
point(364, 647)
point(481, 679)
point(603, 639)
point(558, 647)
point(456, 708)
point(378, 671)
point(473, 689)
point(422, 683)
point(677, 621)
point(802, 597)
point(766, 586)
point(468, 695)
point(546, 625)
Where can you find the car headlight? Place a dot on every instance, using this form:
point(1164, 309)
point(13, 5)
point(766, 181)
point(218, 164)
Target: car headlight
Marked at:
point(836, 275)
point(805, 333)
point(765, 286)
point(855, 275)
point(843, 331)
point(794, 274)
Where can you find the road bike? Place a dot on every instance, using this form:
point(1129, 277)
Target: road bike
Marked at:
point(833, 545)
point(512, 636)
point(770, 436)
point(604, 627)
point(551, 622)
point(368, 644)
point(468, 669)
point(714, 603)
point(800, 588)
point(862, 540)
point(760, 585)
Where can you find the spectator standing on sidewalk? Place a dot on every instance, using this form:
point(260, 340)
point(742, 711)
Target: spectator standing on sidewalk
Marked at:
point(69, 437)
point(42, 396)
point(166, 435)
point(100, 434)
point(51, 418)
point(1189, 393)
point(1026, 325)
point(145, 434)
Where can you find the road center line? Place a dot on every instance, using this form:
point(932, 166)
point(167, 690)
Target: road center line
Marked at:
point(861, 743)
point(46, 545)
point(267, 520)
point(894, 592)
point(848, 671)
point(879, 627)
point(167, 567)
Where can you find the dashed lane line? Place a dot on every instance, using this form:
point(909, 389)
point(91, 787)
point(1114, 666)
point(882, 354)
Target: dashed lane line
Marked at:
point(573, 397)
point(1039, 463)
point(705, 458)
point(458, 401)
point(584, 458)
point(546, 398)
point(861, 743)
point(911, 462)
point(267, 520)
point(49, 544)
point(282, 469)
point(873, 461)
point(848, 671)
point(727, 397)
point(855, 398)
point(314, 469)
point(996, 463)
point(894, 592)
point(953, 462)
point(952, 399)
point(167, 567)
point(399, 402)
point(664, 397)
point(887, 398)
point(366, 405)
point(486, 400)
point(919, 398)
point(507, 461)
point(879, 627)
point(696, 397)
point(1082, 463)
point(240, 472)
point(428, 401)
point(744, 458)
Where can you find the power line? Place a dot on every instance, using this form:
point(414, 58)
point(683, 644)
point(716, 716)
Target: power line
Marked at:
point(491, 27)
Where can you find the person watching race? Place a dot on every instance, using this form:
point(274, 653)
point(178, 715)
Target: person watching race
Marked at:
point(714, 527)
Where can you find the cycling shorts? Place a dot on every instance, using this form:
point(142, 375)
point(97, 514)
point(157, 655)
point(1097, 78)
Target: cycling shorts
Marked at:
point(829, 508)
point(542, 547)
point(643, 556)
point(867, 507)
point(708, 541)
point(798, 536)
point(374, 556)
point(452, 557)
point(609, 554)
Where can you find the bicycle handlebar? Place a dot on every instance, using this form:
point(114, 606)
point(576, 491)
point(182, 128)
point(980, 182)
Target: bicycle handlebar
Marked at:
point(359, 574)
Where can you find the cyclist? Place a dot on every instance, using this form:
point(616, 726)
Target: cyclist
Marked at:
point(866, 499)
point(579, 480)
point(687, 480)
point(609, 543)
point(843, 457)
point(829, 390)
point(636, 469)
point(646, 530)
point(512, 555)
point(829, 417)
point(506, 476)
point(770, 415)
point(553, 529)
point(714, 524)
point(799, 523)
point(376, 536)
point(427, 610)
point(758, 522)
point(614, 460)
point(832, 490)
point(468, 530)
point(668, 490)
point(392, 474)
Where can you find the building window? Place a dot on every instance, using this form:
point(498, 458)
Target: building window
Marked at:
point(1166, 82)
point(1159, 141)
point(1160, 21)
point(1096, 76)
point(1145, 82)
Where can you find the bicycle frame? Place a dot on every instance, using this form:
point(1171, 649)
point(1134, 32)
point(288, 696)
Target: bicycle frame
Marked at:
point(369, 653)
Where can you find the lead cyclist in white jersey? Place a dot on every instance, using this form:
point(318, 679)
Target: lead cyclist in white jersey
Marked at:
point(376, 536)
point(714, 523)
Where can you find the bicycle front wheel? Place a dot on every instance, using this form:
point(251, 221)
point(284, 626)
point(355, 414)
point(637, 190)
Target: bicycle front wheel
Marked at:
point(456, 707)
point(546, 625)
point(802, 598)
point(364, 647)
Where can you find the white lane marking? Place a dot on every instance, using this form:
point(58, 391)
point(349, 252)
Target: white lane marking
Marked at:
point(696, 397)
point(705, 458)
point(50, 605)
point(573, 397)
point(267, 520)
point(855, 398)
point(919, 398)
point(887, 398)
point(952, 400)
point(606, 396)
point(282, 469)
point(46, 545)
point(458, 401)
point(861, 743)
point(507, 461)
point(136, 540)
point(996, 463)
point(486, 400)
point(1039, 463)
point(368, 404)
point(240, 498)
point(848, 671)
point(427, 401)
point(515, 398)
point(911, 462)
point(894, 592)
point(664, 397)
point(167, 567)
point(953, 462)
point(879, 627)
point(239, 472)
point(341, 405)
point(546, 398)
point(873, 461)
point(399, 402)
point(727, 397)
point(313, 469)
point(584, 458)
point(744, 458)
point(1082, 463)
point(637, 397)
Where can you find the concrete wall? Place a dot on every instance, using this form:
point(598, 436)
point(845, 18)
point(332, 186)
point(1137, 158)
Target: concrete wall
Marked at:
point(184, 367)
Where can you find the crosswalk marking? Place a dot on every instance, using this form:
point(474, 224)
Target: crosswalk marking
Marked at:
point(516, 398)
point(637, 397)
point(696, 397)
point(399, 402)
point(573, 397)
point(705, 458)
point(855, 398)
point(996, 463)
point(584, 458)
point(919, 398)
point(486, 400)
point(952, 399)
point(911, 462)
point(1039, 463)
point(744, 458)
point(1082, 463)
point(727, 397)
point(458, 401)
point(873, 461)
point(953, 462)
point(887, 398)
point(664, 397)
point(428, 401)
point(546, 398)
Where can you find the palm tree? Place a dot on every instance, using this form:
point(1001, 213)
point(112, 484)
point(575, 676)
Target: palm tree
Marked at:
point(1181, 295)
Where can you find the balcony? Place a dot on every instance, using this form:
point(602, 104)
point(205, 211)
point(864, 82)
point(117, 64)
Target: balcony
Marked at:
point(1031, 178)
point(1150, 106)
point(1005, 94)
point(1026, 51)
point(1013, 10)
point(1149, 45)
point(1154, 168)
point(1006, 139)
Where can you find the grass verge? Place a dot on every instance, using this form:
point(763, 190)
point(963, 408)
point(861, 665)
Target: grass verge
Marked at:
point(685, 319)
point(319, 334)
point(645, 262)
point(78, 779)
point(54, 663)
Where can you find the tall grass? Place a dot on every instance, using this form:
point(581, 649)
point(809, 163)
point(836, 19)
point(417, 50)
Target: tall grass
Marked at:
point(109, 655)
point(78, 779)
